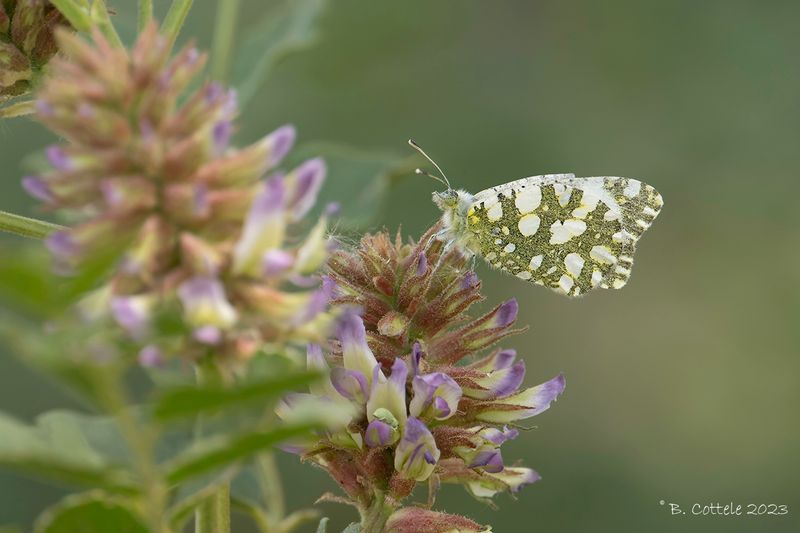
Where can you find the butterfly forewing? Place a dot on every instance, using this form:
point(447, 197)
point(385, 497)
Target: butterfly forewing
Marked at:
point(570, 234)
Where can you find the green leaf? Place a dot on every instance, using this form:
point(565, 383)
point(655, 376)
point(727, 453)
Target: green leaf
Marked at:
point(323, 525)
point(359, 181)
point(211, 454)
point(193, 400)
point(57, 448)
point(27, 283)
point(287, 28)
point(90, 513)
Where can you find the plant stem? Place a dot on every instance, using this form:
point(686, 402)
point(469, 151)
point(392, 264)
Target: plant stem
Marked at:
point(26, 227)
point(175, 18)
point(100, 16)
point(77, 17)
point(19, 109)
point(140, 439)
point(145, 13)
point(271, 487)
point(374, 517)
point(214, 514)
point(227, 13)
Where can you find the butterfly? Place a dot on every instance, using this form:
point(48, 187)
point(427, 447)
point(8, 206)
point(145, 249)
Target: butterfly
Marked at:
point(569, 234)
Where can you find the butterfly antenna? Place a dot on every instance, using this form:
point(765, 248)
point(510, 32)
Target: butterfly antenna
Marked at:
point(417, 147)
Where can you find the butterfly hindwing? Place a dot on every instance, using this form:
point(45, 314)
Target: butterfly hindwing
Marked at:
point(570, 234)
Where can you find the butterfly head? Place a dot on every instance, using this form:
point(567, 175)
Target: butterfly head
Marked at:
point(446, 200)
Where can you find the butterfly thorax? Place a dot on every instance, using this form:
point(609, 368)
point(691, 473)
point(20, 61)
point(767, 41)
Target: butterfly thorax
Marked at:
point(454, 205)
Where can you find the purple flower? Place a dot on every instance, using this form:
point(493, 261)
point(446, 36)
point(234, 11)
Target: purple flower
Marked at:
point(150, 356)
point(63, 246)
point(388, 394)
point(221, 135)
point(416, 455)
point(205, 303)
point(276, 262)
point(351, 384)
point(263, 230)
point(497, 383)
point(356, 354)
point(37, 188)
point(506, 313)
point(470, 280)
point(132, 313)
point(525, 404)
point(278, 144)
point(307, 180)
point(422, 264)
point(210, 335)
point(416, 357)
point(436, 396)
point(58, 158)
point(379, 434)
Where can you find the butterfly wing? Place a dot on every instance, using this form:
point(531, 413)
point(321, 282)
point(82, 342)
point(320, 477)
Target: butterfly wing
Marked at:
point(570, 234)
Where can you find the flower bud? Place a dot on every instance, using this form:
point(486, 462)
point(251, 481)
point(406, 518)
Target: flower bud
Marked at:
point(419, 520)
point(304, 184)
point(525, 404)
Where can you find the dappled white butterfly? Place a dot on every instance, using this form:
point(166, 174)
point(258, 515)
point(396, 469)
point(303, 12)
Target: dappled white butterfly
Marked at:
point(566, 233)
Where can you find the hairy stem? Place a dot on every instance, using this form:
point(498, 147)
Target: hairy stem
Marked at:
point(140, 439)
point(214, 514)
point(145, 13)
point(175, 18)
point(374, 517)
point(26, 227)
point(271, 487)
point(227, 13)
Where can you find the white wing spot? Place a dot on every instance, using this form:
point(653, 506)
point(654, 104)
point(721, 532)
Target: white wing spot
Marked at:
point(597, 277)
point(491, 256)
point(565, 283)
point(642, 224)
point(632, 188)
point(611, 215)
point(602, 254)
point(574, 263)
point(619, 283)
point(589, 202)
point(528, 199)
point(649, 211)
point(564, 231)
point(529, 225)
point(495, 212)
point(563, 198)
point(551, 270)
point(524, 275)
point(510, 247)
point(536, 262)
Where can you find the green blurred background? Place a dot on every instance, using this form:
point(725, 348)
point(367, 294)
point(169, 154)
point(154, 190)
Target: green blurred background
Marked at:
point(684, 386)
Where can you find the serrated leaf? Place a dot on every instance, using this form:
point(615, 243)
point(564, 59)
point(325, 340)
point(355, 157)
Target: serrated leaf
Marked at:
point(219, 452)
point(287, 28)
point(57, 448)
point(190, 401)
point(360, 180)
point(90, 513)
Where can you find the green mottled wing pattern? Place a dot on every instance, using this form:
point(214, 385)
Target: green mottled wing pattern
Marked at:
point(570, 234)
